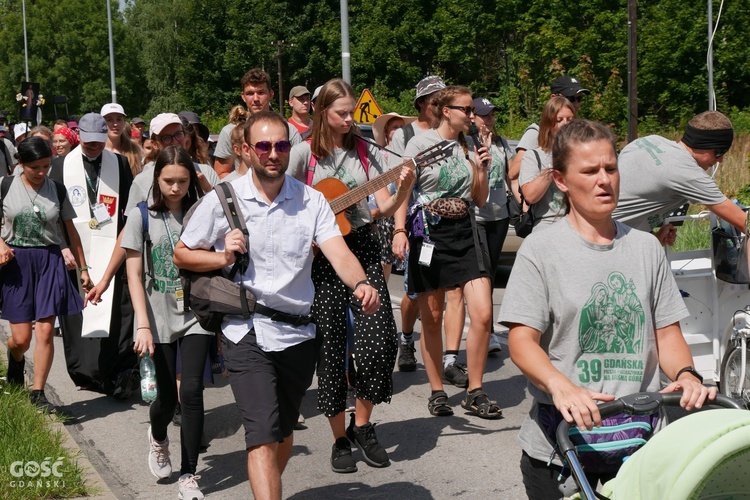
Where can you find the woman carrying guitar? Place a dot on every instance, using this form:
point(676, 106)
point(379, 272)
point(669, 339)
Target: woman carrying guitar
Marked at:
point(333, 150)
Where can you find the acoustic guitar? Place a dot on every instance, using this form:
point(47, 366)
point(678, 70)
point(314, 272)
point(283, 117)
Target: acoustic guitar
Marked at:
point(340, 197)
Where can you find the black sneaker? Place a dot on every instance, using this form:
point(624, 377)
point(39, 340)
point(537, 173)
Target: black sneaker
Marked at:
point(407, 362)
point(342, 460)
point(177, 417)
point(15, 370)
point(456, 374)
point(124, 383)
point(366, 440)
point(41, 402)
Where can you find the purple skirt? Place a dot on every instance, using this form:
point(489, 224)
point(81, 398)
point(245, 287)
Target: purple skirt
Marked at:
point(35, 285)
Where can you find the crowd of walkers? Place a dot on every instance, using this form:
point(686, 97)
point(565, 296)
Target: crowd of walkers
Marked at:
point(94, 238)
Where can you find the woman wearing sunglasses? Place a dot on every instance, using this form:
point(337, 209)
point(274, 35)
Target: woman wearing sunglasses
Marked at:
point(445, 252)
point(333, 149)
point(535, 179)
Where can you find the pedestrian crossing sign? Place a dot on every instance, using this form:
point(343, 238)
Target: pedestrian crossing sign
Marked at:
point(366, 110)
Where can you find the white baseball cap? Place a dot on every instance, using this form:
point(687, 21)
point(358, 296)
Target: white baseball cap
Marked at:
point(20, 129)
point(162, 120)
point(112, 107)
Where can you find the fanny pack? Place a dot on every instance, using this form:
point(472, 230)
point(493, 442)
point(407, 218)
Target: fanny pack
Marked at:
point(450, 208)
point(602, 450)
point(211, 295)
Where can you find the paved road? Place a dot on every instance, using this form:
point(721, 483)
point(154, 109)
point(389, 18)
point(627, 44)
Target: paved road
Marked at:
point(432, 458)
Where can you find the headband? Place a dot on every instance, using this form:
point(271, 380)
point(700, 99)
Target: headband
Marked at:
point(69, 135)
point(697, 138)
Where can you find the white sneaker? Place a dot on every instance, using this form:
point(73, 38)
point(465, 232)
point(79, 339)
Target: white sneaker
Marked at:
point(158, 457)
point(189, 489)
point(495, 345)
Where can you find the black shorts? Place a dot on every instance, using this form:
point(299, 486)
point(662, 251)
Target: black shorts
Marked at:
point(268, 386)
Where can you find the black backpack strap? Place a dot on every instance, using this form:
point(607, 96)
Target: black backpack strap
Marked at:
point(408, 134)
point(4, 188)
point(6, 154)
point(146, 238)
point(227, 196)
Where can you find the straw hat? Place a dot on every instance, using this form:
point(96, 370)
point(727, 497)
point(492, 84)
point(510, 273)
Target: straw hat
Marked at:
point(378, 128)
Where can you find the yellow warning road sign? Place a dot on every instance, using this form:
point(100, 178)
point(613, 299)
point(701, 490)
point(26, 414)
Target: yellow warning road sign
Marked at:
point(367, 110)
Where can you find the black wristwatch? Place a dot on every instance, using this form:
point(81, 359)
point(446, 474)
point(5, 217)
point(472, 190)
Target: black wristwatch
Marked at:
point(691, 371)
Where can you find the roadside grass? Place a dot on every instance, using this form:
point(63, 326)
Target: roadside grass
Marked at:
point(46, 469)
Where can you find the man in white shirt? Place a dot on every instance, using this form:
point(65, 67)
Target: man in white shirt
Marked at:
point(271, 363)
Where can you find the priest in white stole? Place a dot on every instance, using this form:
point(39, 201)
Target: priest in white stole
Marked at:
point(98, 342)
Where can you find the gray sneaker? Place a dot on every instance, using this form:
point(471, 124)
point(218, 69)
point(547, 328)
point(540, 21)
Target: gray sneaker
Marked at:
point(495, 345)
point(456, 374)
point(189, 489)
point(158, 457)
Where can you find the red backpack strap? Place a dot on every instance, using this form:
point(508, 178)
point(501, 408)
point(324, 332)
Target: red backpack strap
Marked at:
point(311, 165)
point(363, 158)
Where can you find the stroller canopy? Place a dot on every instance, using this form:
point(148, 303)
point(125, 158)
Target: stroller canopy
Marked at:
point(704, 455)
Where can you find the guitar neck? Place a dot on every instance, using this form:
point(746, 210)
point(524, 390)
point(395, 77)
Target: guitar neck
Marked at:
point(362, 191)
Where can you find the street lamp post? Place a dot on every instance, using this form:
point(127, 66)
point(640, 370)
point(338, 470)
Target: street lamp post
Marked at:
point(25, 41)
point(111, 53)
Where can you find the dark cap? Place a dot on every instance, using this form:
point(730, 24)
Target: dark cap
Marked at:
point(428, 85)
point(483, 106)
point(137, 120)
point(297, 91)
point(568, 86)
point(192, 118)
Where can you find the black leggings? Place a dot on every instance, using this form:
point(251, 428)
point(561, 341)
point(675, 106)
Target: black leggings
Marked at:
point(193, 351)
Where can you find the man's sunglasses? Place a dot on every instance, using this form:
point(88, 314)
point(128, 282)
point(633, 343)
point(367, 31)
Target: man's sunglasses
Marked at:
point(265, 147)
point(718, 153)
point(468, 110)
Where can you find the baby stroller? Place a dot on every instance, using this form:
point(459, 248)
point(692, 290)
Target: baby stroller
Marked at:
point(704, 455)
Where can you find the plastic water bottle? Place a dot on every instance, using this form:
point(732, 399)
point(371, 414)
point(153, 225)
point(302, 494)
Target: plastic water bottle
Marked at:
point(148, 379)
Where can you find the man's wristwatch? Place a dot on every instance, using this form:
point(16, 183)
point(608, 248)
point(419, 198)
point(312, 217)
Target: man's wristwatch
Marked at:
point(691, 371)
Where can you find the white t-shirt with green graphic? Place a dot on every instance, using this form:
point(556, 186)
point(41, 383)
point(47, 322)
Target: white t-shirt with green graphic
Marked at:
point(449, 178)
point(345, 166)
point(657, 176)
point(550, 207)
point(168, 320)
point(597, 306)
point(31, 218)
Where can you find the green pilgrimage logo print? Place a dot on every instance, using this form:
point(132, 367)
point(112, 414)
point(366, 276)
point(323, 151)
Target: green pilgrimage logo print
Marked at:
point(166, 273)
point(612, 322)
point(28, 227)
point(452, 178)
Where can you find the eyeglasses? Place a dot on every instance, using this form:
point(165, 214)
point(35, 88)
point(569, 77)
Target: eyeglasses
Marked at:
point(574, 98)
point(718, 153)
point(468, 110)
point(167, 139)
point(264, 147)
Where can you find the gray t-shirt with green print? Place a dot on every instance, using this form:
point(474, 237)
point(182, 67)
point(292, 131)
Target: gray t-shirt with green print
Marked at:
point(597, 306)
point(166, 316)
point(550, 207)
point(657, 176)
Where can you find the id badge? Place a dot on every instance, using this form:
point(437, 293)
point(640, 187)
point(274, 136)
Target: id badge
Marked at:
point(101, 214)
point(425, 255)
point(179, 295)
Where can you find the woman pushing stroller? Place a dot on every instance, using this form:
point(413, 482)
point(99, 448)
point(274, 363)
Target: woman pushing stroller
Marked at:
point(566, 301)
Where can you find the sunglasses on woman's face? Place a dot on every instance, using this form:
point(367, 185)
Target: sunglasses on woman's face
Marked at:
point(265, 147)
point(468, 110)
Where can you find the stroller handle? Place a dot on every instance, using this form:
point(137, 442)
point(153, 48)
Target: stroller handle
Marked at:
point(641, 403)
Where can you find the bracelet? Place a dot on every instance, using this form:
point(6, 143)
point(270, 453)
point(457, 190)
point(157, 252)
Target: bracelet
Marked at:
point(361, 282)
point(143, 328)
point(399, 230)
point(84, 268)
point(691, 371)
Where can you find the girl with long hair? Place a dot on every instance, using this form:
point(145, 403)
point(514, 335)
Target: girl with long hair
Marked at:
point(334, 150)
point(161, 322)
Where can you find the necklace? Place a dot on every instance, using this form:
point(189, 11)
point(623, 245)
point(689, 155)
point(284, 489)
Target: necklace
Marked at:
point(33, 201)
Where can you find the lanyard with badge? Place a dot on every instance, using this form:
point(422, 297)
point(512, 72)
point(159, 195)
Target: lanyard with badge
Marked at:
point(179, 293)
point(100, 211)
